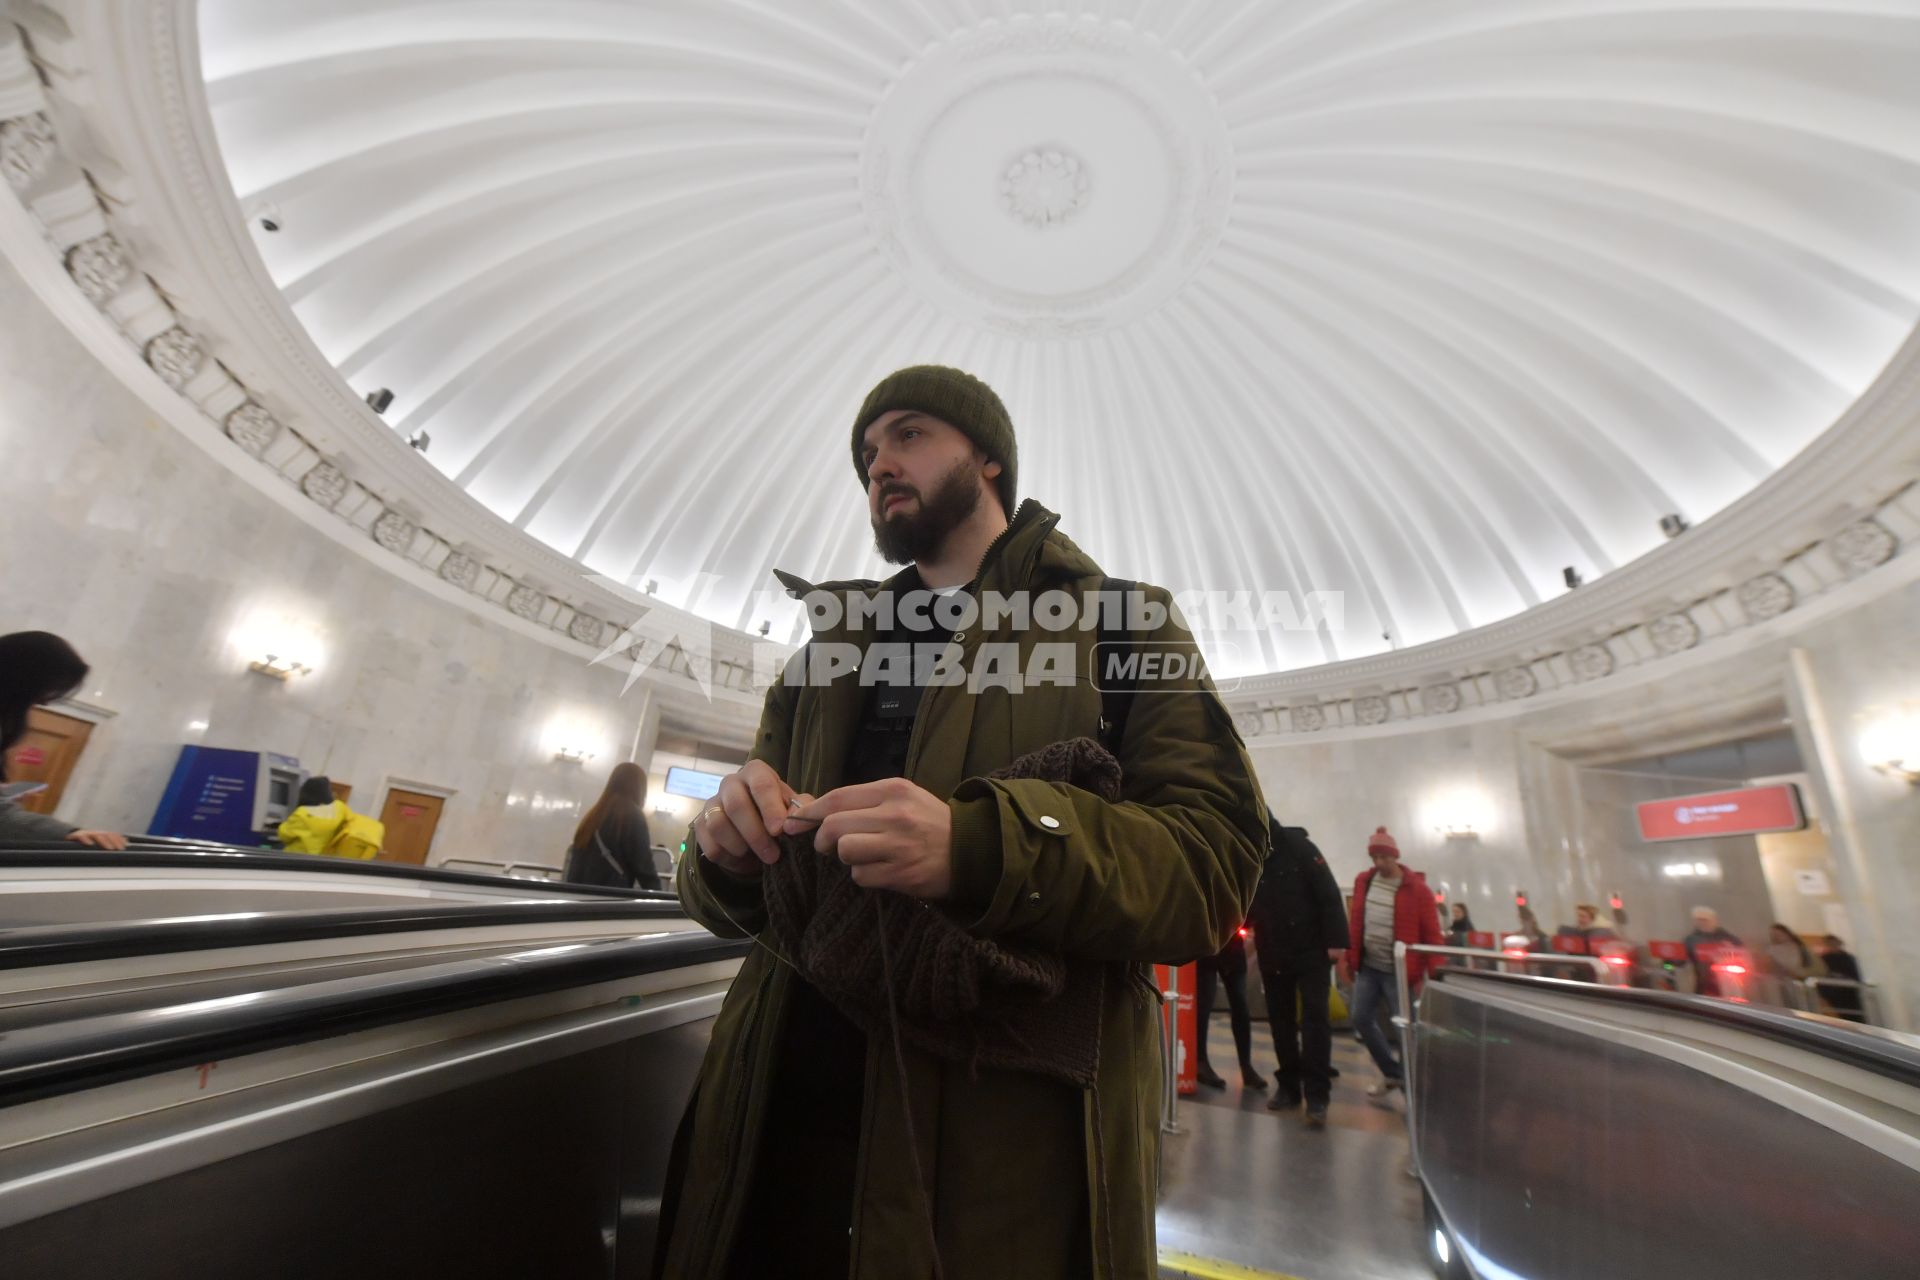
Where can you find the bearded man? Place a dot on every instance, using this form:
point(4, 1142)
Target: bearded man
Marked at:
point(819, 1147)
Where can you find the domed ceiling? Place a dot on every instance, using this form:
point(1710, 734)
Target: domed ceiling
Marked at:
point(1418, 303)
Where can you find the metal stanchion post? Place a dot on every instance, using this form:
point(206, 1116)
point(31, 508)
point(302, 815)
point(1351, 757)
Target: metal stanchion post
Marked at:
point(1170, 1053)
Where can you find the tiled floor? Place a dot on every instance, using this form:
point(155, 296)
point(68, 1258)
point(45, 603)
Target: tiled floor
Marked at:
point(1250, 1186)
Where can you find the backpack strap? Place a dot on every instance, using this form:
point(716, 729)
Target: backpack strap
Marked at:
point(1116, 698)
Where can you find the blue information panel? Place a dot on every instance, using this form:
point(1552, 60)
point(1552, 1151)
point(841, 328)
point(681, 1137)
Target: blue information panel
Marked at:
point(210, 796)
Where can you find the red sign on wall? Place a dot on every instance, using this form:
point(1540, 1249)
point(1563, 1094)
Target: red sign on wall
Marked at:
point(29, 757)
point(1722, 813)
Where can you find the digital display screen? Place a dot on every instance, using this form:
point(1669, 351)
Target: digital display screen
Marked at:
point(695, 784)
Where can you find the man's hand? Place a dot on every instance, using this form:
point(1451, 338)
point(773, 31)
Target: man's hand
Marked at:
point(735, 829)
point(1339, 957)
point(892, 834)
point(111, 840)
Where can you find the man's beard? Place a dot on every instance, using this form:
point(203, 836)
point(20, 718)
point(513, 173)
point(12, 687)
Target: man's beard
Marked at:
point(906, 538)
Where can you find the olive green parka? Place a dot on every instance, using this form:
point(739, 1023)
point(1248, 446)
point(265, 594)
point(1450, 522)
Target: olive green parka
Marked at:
point(1165, 876)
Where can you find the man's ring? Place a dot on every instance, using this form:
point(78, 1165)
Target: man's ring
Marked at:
point(707, 816)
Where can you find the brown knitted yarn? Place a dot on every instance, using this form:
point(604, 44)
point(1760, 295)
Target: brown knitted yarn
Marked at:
point(958, 997)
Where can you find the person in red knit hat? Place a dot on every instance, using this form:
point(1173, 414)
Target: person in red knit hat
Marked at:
point(1390, 904)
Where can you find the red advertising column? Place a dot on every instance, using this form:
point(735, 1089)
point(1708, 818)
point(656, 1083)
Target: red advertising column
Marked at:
point(1186, 1050)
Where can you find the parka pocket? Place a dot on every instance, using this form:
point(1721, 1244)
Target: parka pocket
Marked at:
point(1140, 978)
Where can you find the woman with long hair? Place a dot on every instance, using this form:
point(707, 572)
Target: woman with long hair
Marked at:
point(1789, 961)
point(611, 845)
point(38, 667)
point(1460, 927)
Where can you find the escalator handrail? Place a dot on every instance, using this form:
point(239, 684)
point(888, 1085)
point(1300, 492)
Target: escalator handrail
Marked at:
point(1866, 1047)
point(61, 853)
point(84, 1053)
point(37, 945)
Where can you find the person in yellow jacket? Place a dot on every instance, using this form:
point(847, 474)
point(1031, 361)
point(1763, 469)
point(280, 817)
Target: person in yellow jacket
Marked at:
point(322, 824)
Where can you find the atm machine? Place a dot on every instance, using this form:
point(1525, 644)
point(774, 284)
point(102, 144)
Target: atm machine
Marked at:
point(229, 797)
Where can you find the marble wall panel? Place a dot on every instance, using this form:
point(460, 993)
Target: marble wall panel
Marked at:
point(148, 555)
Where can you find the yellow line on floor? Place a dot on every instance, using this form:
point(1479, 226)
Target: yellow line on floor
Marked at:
point(1192, 1264)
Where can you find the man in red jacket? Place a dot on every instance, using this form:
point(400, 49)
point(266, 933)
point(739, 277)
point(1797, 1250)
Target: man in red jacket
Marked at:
point(1390, 904)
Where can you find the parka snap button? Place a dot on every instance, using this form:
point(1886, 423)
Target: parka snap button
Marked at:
point(1033, 897)
point(959, 637)
point(1048, 821)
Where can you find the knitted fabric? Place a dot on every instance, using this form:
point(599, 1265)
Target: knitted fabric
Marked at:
point(956, 398)
point(958, 997)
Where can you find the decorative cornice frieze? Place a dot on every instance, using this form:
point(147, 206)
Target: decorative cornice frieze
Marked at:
point(100, 267)
point(1862, 545)
point(1673, 633)
point(27, 149)
point(103, 270)
point(252, 428)
point(1765, 596)
point(326, 484)
point(176, 356)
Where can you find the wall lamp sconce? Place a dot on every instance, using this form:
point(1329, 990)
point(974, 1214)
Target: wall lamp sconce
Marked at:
point(1891, 743)
point(1460, 831)
point(276, 667)
point(381, 400)
point(572, 755)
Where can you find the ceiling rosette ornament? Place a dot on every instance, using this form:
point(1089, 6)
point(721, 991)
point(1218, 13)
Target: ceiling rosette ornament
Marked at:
point(100, 267)
point(394, 532)
point(1252, 724)
point(1765, 596)
point(252, 428)
point(1862, 545)
point(1310, 718)
point(1371, 708)
point(953, 136)
point(586, 629)
point(1515, 683)
point(525, 602)
point(27, 148)
point(461, 569)
point(1673, 633)
point(176, 356)
point(1440, 699)
point(326, 484)
point(1044, 187)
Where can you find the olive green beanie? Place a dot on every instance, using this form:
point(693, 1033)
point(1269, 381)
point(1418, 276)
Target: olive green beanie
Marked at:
point(953, 397)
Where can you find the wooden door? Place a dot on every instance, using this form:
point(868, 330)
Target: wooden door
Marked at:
point(410, 818)
point(342, 791)
point(47, 753)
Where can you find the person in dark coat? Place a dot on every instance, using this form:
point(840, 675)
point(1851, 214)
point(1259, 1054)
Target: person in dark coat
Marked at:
point(1840, 962)
point(611, 846)
point(1228, 967)
point(1460, 929)
point(1708, 934)
point(1299, 930)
